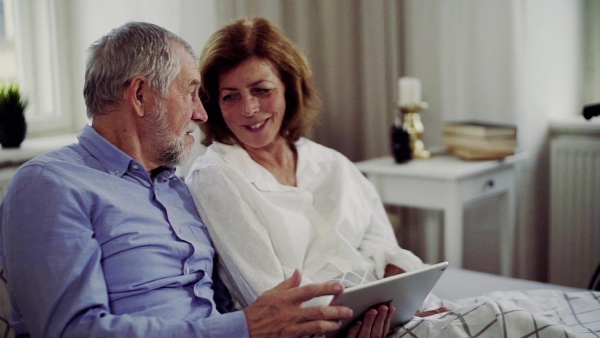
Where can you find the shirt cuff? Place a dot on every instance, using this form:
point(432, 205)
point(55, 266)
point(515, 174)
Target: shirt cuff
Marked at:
point(399, 257)
point(232, 324)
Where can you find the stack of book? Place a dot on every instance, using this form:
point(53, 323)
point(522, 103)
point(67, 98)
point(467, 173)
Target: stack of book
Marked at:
point(480, 140)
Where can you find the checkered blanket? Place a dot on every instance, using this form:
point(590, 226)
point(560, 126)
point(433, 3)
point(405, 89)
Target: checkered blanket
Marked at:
point(537, 313)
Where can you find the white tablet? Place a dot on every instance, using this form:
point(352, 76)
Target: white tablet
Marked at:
point(406, 292)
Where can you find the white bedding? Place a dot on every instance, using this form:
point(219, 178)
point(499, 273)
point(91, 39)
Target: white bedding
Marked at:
point(485, 305)
point(530, 313)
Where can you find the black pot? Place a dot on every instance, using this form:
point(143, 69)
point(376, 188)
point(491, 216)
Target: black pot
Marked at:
point(13, 129)
point(401, 144)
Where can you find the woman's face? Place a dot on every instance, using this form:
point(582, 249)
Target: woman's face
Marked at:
point(252, 101)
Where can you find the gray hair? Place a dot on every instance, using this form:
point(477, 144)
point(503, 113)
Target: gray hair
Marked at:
point(136, 48)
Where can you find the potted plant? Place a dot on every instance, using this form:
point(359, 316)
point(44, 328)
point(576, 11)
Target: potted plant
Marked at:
point(13, 126)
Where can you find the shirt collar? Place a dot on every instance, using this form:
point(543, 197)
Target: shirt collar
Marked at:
point(237, 157)
point(114, 160)
point(307, 166)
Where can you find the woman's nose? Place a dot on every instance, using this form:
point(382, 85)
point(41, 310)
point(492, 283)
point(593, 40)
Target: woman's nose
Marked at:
point(249, 105)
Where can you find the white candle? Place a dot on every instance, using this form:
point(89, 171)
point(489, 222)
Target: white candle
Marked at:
point(409, 91)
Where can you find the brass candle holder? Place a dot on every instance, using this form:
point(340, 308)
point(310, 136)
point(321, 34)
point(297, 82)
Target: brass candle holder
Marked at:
point(413, 125)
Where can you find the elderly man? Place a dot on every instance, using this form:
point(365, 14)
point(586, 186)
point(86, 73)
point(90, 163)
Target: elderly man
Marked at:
point(101, 238)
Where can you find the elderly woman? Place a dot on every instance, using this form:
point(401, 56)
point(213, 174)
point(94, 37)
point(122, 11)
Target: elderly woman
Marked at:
point(273, 200)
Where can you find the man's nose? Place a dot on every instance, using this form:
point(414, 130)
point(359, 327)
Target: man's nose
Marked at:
point(199, 114)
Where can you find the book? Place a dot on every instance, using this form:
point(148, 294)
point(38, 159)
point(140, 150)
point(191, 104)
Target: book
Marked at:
point(489, 143)
point(477, 154)
point(480, 128)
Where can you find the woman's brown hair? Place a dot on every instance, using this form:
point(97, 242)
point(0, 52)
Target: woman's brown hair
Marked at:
point(235, 43)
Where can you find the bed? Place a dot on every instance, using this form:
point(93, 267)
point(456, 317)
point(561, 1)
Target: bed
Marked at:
point(485, 305)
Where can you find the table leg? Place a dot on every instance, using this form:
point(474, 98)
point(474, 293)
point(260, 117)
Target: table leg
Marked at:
point(508, 213)
point(453, 234)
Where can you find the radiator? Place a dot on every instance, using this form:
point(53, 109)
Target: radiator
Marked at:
point(574, 244)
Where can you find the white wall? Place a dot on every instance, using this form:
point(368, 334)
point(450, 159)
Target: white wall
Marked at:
point(549, 85)
point(508, 61)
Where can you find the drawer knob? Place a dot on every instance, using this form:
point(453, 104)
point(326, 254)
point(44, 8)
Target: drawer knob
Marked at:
point(490, 183)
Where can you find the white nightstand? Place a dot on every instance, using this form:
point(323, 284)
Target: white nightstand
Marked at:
point(447, 183)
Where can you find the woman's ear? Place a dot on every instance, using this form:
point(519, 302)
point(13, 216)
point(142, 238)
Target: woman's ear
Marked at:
point(138, 94)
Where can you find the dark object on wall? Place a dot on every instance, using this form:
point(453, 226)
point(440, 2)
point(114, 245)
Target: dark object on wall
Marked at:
point(401, 144)
point(595, 282)
point(13, 126)
point(591, 110)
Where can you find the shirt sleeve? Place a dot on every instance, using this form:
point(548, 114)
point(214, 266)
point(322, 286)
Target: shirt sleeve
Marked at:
point(54, 272)
point(379, 242)
point(227, 206)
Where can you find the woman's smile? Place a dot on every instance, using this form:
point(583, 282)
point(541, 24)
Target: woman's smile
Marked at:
point(257, 126)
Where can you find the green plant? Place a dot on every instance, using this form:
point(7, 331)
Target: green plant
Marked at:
point(11, 101)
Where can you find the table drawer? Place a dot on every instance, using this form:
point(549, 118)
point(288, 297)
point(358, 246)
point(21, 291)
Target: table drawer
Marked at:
point(484, 185)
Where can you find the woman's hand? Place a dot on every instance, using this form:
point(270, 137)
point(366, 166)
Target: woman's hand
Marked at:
point(432, 312)
point(392, 270)
point(375, 323)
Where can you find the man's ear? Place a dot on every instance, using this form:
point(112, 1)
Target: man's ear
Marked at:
point(139, 94)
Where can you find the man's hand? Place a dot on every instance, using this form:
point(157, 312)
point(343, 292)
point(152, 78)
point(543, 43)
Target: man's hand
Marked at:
point(279, 312)
point(375, 324)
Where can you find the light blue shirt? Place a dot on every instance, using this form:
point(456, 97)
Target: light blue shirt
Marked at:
point(93, 246)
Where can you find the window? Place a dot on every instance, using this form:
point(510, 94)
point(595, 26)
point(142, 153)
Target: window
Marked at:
point(2, 24)
point(8, 65)
point(29, 55)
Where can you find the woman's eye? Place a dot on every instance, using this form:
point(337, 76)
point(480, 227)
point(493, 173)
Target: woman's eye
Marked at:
point(227, 97)
point(261, 90)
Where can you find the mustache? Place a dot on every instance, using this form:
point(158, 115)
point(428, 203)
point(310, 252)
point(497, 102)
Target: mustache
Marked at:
point(190, 128)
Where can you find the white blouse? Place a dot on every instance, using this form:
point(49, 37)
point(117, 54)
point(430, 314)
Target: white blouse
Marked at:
point(333, 222)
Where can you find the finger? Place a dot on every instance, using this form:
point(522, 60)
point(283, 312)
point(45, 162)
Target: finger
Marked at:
point(424, 314)
point(388, 320)
point(430, 312)
point(378, 324)
point(354, 329)
point(368, 320)
point(307, 292)
point(293, 281)
point(311, 328)
point(324, 313)
point(443, 309)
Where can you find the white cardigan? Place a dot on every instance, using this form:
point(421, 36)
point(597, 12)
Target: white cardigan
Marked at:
point(331, 223)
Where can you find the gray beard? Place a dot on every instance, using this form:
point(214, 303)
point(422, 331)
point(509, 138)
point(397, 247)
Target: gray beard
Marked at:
point(171, 150)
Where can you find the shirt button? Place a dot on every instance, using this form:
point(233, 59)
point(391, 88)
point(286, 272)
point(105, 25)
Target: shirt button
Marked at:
point(135, 166)
point(336, 252)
